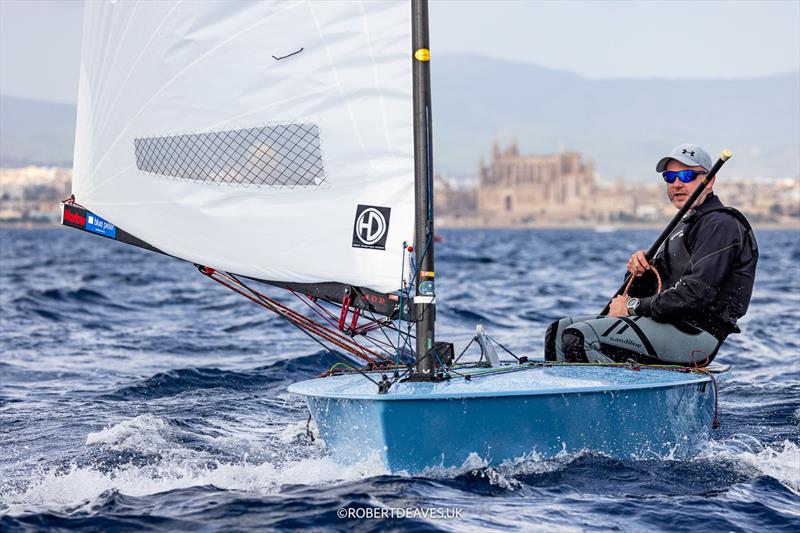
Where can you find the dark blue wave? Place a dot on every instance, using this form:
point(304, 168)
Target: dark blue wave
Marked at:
point(183, 380)
point(188, 379)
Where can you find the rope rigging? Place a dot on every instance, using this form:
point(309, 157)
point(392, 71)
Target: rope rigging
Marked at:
point(331, 329)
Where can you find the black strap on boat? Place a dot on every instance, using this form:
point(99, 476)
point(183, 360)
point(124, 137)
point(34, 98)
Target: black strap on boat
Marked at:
point(464, 350)
point(509, 352)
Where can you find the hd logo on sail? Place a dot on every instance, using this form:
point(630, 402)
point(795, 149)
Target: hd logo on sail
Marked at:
point(371, 227)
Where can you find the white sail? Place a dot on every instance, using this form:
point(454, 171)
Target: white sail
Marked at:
point(245, 136)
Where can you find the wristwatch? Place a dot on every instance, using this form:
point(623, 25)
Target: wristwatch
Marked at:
point(633, 305)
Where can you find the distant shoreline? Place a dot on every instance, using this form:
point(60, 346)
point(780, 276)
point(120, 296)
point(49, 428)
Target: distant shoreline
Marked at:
point(599, 228)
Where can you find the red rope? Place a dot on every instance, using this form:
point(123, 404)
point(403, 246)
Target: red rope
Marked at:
point(331, 319)
point(70, 200)
point(301, 321)
point(343, 314)
point(354, 320)
point(314, 306)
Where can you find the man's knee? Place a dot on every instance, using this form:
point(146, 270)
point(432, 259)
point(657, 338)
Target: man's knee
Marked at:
point(556, 340)
point(550, 340)
point(574, 350)
point(582, 343)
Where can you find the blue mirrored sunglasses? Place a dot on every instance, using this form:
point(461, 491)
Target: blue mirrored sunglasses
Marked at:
point(685, 176)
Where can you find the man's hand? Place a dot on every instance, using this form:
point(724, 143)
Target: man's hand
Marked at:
point(619, 306)
point(637, 264)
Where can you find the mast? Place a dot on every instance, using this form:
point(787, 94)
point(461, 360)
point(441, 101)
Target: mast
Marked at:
point(424, 300)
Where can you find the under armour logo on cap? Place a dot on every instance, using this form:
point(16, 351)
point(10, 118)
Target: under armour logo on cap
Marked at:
point(690, 155)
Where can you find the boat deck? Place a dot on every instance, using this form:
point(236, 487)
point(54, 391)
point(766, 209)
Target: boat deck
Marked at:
point(507, 380)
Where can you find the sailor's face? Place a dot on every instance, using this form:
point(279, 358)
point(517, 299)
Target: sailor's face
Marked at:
point(679, 191)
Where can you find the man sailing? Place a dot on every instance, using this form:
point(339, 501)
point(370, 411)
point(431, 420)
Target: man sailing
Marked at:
point(707, 266)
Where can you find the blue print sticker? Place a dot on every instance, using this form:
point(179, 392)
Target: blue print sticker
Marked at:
point(426, 288)
point(97, 225)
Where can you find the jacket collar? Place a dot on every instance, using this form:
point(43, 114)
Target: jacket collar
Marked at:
point(712, 202)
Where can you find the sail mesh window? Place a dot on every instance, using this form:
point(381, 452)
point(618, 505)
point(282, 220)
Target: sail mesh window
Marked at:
point(270, 156)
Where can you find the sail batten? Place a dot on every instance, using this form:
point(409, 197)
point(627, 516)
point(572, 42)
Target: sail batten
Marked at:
point(270, 139)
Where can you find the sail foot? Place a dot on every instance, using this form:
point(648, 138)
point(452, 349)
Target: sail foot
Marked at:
point(76, 216)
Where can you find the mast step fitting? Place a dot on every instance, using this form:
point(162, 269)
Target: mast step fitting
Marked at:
point(384, 385)
point(418, 377)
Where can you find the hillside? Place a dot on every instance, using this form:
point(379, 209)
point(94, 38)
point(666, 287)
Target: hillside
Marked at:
point(623, 125)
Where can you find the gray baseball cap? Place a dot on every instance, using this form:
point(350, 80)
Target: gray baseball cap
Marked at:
point(688, 154)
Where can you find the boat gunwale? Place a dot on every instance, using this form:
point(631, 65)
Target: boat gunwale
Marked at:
point(466, 395)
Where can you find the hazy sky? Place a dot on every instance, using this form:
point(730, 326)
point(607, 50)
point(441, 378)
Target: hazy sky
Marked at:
point(40, 39)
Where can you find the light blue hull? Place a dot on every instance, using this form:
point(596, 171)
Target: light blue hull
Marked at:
point(539, 410)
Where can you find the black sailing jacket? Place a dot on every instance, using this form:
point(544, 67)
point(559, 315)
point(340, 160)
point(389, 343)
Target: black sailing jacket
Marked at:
point(708, 266)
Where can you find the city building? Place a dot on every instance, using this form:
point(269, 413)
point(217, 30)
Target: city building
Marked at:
point(31, 195)
point(523, 188)
point(562, 190)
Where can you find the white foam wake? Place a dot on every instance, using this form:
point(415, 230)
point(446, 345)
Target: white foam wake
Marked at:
point(143, 433)
point(753, 458)
point(175, 467)
point(79, 486)
point(504, 475)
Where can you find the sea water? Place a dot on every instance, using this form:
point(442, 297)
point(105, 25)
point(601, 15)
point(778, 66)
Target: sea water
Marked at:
point(137, 394)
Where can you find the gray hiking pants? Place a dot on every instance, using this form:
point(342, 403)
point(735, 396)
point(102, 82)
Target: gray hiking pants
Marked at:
point(603, 339)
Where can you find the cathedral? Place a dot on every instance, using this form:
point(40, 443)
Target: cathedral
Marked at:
point(526, 187)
